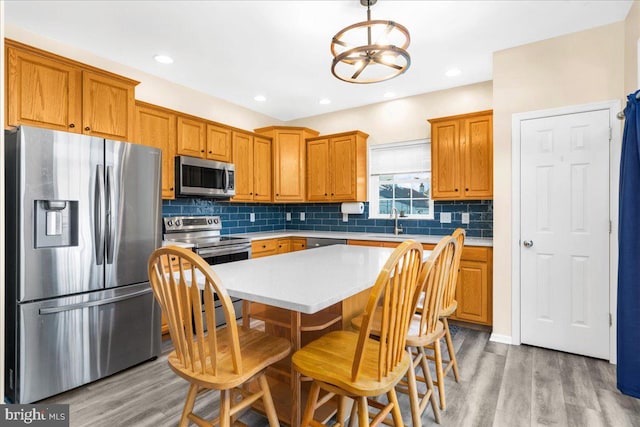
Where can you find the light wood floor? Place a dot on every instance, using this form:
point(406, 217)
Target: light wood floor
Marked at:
point(500, 385)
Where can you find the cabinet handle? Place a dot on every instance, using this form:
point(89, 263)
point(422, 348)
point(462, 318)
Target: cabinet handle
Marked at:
point(171, 189)
point(332, 194)
point(277, 194)
point(264, 246)
point(456, 189)
point(325, 194)
point(210, 152)
point(257, 194)
point(466, 189)
point(251, 194)
point(87, 128)
point(72, 125)
point(202, 151)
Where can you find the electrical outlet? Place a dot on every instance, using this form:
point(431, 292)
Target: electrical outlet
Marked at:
point(252, 217)
point(445, 217)
point(465, 217)
point(302, 216)
point(288, 216)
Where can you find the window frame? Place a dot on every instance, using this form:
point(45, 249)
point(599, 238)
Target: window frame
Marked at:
point(374, 183)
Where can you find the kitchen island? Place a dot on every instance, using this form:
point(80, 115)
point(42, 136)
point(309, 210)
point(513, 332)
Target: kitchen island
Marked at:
point(302, 295)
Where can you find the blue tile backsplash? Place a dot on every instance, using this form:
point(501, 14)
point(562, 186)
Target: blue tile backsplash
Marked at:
point(327, 217)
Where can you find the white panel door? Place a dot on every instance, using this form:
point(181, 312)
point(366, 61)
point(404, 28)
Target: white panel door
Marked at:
point(564, 234)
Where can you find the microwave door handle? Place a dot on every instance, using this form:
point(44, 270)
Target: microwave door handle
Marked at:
point(99, 215)
point(226, 179)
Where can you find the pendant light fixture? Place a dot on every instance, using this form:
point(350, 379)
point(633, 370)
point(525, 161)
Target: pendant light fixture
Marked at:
point(371, 51)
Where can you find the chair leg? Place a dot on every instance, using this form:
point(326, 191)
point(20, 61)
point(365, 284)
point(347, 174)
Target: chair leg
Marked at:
point(439, 373)
point(413, 392)
point(395, 411)
point(310, 409)
point(354, 410)
point(363, 412)
point(225, 408)
point(450, 349)
point(188, 405)
point(267, 399)
point(340, 416)
point(427, 376)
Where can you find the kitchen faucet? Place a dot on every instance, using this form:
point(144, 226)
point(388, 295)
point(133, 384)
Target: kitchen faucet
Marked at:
point(396, 229)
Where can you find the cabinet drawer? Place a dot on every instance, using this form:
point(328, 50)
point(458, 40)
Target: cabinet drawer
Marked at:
point(476, 254)
point(262, 248)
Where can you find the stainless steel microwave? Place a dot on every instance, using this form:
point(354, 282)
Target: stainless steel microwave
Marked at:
point(205, 178)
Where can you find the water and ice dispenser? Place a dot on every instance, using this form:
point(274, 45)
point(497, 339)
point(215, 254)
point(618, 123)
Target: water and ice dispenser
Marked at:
point(56, 223)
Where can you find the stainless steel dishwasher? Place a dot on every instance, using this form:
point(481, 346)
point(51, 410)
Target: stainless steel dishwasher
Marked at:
point(313, 242)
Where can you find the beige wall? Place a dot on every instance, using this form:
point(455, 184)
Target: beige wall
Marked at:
point(153, 89)
point(578, 68)
point(631, 48)
point(403, 119)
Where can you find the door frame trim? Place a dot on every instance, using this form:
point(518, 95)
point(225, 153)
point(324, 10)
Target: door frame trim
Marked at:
point(615, 149)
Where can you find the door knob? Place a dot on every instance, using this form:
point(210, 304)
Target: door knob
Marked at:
point(527, 243)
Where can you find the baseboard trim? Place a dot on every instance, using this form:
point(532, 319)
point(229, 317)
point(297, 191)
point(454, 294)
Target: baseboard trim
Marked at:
point(503, 339)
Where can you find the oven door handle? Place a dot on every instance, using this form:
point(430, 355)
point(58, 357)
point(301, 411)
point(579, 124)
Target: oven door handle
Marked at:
point(235, 249)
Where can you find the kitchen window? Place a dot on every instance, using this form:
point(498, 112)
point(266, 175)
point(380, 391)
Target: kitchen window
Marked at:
point(400, 177)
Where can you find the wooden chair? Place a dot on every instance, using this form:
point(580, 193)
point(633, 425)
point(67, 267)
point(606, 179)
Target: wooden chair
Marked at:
point(425, 328)
point(221, 359)
point(352, 365)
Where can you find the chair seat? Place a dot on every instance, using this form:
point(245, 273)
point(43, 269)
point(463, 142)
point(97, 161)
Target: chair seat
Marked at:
point(329, 359)
point(258, 350)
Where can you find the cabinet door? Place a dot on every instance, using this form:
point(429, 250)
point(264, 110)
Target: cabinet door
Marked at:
point(157, 128)
point(242, 144)
point(477, 143)
point(42, 92)
point(289, 155)
point(472, 292)
point(445, 166)
point(298, 244)
point(284, 246)
point(107, 107)
point(218, 143)
point(366, 243)
point(261, 169)
point(261, 248)
point(192, 137)
point(318, 180)
point(343, 168)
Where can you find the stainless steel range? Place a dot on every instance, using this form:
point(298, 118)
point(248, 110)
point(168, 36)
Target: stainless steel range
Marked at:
point(203, 232)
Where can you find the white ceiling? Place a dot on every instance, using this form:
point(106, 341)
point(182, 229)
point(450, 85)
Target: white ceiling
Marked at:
point(236, 50)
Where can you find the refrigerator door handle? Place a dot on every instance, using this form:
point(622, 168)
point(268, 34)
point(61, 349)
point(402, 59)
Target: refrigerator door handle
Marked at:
point(53, 310)
point(111, 232)
point(99, 215)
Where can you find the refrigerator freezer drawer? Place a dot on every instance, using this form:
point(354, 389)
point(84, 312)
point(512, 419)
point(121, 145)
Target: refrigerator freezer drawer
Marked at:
point(70, 341)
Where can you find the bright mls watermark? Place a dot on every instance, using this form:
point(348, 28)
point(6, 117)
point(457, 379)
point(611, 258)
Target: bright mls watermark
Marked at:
point(34, 415)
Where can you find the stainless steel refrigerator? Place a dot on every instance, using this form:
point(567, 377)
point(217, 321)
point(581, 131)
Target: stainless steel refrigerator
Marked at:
point(82, 217)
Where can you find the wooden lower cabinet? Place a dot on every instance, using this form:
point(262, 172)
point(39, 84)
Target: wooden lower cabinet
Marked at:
point(284, 246)
point(298, 244)
point(268, 247)
point(474, 291)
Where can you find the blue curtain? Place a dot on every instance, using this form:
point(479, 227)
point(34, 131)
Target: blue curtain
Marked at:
point(629, 255)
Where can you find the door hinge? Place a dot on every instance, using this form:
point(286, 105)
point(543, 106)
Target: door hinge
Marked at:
point(610, 319)
point(610, 226)
point(610, 134)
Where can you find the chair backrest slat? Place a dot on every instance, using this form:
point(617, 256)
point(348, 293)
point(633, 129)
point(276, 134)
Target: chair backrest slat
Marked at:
point(396, 286)
point(450, 291)
point(436, 273)
point(175, 288)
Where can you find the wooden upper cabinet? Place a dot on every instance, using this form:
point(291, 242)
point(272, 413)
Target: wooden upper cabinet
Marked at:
point(50, 91)
point(192, 137)
point(156, 127)
point(462, 157)
point(42, 92)
point(337, 167)
point(107, 107)
point(289, 161)
point(261, 169)
point(252, 159)
point(218, 143)
point(242, 144)
point(318, 179)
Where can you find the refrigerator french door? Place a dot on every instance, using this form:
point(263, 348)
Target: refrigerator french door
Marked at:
point(82, 217)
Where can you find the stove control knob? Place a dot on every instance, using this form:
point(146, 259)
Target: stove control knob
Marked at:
point(210, 221)
point(178, 223)
point(216, 220)
point(170, 223)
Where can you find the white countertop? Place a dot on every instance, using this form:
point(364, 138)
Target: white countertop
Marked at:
point(305, 281)
point(422, 238)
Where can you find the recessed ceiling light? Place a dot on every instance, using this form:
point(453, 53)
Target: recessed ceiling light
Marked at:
point(163, 59)
point(325, 101)
point(452, 72)
point(260, 98)
point(389, 94)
